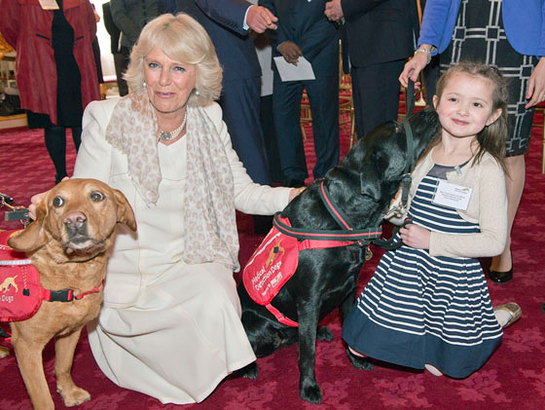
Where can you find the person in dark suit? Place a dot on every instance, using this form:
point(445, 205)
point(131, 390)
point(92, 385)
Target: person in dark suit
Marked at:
point(119, 60)
point(377, 38)
point(304, 31)
point(227, 23)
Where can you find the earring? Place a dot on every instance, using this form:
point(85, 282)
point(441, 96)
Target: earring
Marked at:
point(197, 92)
point(143, 83)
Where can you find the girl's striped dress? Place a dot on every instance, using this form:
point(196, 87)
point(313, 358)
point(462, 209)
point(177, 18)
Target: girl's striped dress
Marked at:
point(420, 309)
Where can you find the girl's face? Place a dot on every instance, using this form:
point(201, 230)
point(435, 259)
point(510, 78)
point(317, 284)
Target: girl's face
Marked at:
point(466, 105)
point(169, 83)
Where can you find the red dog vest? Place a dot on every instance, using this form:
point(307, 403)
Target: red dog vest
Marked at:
point(275, 262)
point(21, 292)
point(20, 287)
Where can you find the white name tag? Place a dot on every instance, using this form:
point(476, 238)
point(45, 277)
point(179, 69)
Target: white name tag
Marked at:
point(49, 4)
point(452, 195)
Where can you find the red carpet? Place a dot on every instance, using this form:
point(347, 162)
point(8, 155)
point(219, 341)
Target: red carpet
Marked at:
point(513, 378)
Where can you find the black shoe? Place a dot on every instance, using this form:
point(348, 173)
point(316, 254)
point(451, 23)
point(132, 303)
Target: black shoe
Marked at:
point(293, 183)
point(501, 277)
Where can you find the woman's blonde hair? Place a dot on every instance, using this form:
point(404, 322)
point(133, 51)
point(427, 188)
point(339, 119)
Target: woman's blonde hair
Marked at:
point(182, 39)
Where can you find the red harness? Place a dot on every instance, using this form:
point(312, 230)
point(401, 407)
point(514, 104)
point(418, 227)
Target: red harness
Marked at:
point(276, 259)
point(21, 293)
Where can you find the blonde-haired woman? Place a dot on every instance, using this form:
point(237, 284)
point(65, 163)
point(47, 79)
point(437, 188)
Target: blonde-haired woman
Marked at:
point(170, 325)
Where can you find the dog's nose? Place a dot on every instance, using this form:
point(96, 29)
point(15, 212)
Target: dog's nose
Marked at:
point(75, 221)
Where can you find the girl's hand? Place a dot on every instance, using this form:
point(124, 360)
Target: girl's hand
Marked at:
point(536, 85)
point(415, 236)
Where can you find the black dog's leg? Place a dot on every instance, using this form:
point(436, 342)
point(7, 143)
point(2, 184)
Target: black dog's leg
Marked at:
point(249, 371)
point(309, 389)
point(323, 333)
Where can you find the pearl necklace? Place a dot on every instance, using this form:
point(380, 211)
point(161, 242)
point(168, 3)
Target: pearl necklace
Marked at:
point(170, 135)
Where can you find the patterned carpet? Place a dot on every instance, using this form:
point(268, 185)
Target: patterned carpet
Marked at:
point(513, 378)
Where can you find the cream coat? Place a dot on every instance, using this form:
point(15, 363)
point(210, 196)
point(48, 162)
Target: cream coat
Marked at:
point(167, 329)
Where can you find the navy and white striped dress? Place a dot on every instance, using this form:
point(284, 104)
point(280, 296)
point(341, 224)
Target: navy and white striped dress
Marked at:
point(420, 309)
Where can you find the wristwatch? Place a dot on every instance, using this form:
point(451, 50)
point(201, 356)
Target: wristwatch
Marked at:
point(425, 51)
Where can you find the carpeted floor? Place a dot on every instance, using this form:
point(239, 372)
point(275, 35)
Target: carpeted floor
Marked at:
point(513, 378)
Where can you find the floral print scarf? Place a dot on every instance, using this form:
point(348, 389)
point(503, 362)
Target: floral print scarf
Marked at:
point(210, 233)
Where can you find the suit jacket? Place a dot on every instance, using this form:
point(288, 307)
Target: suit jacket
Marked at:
point(111, 28)
point(223, 20)
point(130, 16)
point(379, 31)
point(305, 24)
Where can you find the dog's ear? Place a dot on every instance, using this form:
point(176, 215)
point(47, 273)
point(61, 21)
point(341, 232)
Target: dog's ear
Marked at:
point(33, 236)
point(370, 184)
point(125, 213)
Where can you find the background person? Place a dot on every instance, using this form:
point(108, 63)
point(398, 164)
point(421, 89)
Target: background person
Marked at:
point(304, 31)
point(377, 37)
point(56, 71)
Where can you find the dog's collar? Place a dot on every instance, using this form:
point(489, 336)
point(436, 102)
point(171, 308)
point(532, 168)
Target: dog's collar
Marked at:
point(67, 295)
point(346, 233)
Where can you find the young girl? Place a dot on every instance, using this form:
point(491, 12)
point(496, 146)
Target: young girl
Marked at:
point(427, 304)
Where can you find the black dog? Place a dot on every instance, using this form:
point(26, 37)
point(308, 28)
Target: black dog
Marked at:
point(362, 187)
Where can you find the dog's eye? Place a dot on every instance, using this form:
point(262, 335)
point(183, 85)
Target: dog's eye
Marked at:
point(58, 201)
point(97, 196)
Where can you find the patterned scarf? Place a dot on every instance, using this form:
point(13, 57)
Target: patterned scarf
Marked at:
point(210, 233)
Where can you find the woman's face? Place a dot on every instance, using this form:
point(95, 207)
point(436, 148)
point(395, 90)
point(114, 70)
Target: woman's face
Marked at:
point(169, 82)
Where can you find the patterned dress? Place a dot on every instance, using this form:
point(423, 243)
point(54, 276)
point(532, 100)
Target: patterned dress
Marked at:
point(479, 36)
point(420, 309)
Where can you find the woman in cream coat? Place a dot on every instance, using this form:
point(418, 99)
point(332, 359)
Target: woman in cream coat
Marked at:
point(170, 325)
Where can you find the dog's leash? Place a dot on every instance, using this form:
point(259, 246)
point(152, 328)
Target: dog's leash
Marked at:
point(15, 213)
point(406, 179)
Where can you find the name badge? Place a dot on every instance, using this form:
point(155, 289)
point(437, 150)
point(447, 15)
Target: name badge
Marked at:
point(452, 195)
point(49, 4)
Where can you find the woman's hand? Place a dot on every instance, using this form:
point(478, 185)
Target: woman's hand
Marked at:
point(296, 191)
point(35, 200)
point(536, 85)
point(414, 66)
point(415, 236)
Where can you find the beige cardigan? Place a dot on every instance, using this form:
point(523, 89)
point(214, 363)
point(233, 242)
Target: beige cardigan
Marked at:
point(487, 207)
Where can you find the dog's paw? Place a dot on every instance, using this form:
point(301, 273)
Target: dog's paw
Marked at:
point(361, 363)
point(74, 396)
point(311, 392)
point(323, 333)
point(250, 371)
point(4, 352)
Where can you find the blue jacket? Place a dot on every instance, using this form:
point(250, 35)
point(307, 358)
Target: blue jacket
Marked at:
point(524, 23)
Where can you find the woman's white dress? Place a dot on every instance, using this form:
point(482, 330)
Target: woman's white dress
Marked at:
point(167, 329)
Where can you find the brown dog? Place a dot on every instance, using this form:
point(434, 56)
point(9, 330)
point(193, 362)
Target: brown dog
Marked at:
point(69, 244)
